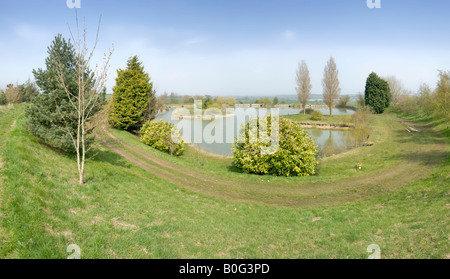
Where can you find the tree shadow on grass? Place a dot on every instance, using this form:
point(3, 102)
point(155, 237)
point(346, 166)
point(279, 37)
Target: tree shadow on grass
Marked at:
point(426, 158)
point(110, 157)
point(234, 169)
point(403, 136)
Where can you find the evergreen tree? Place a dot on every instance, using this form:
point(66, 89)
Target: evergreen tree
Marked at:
point(133, 101)
point(377, 93)
point(50, 115)
point(29, 91)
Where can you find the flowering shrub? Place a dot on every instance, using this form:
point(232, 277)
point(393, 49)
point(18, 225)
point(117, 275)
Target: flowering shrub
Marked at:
point(162, 136)
point(295, 155)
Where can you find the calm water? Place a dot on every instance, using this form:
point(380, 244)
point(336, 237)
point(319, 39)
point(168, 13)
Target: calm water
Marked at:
point(328, 141)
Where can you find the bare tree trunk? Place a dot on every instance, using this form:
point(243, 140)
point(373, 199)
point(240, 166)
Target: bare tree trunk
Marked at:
point(303, 84)
point(83, 158)
point(85, 100)
point(330, 83)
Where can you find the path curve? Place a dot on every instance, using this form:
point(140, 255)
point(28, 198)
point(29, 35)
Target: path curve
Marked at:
point(301, 195)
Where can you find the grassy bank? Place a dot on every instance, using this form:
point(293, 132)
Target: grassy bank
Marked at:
point(335, 119)
point(125, 211)
point(327, 122)
point(396, 159)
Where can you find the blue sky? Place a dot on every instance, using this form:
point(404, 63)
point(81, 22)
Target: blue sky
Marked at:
point(244, 47)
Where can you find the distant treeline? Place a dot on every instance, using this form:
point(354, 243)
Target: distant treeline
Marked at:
point(177, 99)
point(19, 93)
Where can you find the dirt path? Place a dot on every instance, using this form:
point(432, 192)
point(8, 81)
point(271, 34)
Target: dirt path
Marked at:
point(412, 168)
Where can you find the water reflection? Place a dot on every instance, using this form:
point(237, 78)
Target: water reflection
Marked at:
point(316, 133)
point(329, 142)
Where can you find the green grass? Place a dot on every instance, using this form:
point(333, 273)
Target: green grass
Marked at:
point(124, 211)
point(335, 119)
point(397, 159)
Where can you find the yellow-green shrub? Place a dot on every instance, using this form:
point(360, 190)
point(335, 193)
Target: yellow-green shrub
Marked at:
point(316, 115)
point(162, 136)
point(295, 155)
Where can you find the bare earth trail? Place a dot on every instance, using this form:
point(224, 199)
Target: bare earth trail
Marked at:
point(415, 164)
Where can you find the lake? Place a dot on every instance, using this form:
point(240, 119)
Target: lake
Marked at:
point(329, 142)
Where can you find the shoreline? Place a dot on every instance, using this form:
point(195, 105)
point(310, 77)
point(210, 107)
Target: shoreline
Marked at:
point(202, 117)
point(327, 126)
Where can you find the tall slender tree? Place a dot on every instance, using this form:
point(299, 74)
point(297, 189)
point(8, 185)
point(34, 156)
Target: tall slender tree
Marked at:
point(133, 101)
point(330, 83)
point(443, 93)
point(303, 84)
point(87, 97)
point(71, 95)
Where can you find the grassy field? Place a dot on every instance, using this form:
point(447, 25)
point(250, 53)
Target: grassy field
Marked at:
point(139, 203)
point(335, 119)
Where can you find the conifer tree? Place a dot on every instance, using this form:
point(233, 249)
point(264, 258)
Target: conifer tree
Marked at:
point(377, 93)
point(29, 91)
point(133, 101)
point(50, 115)
point(72, 94)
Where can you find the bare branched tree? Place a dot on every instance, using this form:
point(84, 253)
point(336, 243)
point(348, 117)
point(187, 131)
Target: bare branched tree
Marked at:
point(442, 94)
point(397, 89)
point(303, 84)
point(330, 83)
point(13, 94)
point(87, 96)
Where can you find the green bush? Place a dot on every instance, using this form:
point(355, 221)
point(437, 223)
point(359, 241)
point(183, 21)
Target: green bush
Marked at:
point(316, 115)
point(162, 136)
point(3, 100)
point(294, 157)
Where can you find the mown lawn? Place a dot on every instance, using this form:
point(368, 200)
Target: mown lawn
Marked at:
point(124, 211)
